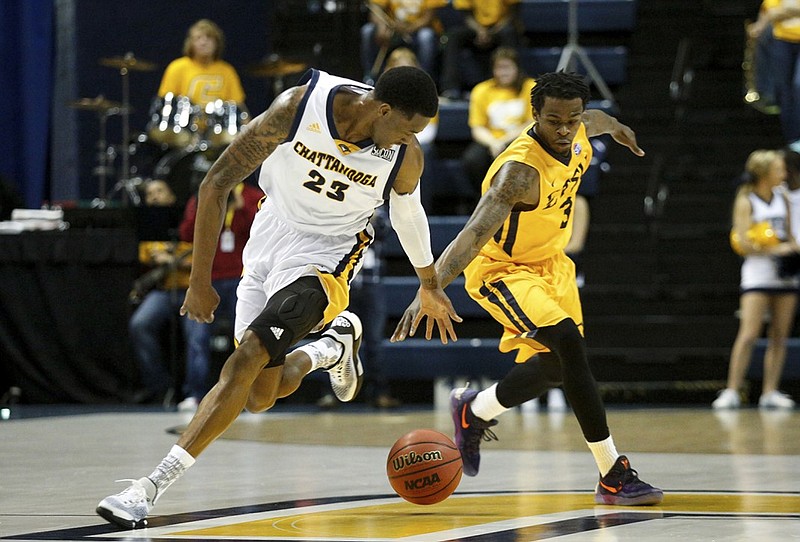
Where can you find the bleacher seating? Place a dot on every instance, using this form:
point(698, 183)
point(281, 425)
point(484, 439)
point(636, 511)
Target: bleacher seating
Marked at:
point(593, 15)
point(791, 371)
point(611, 62)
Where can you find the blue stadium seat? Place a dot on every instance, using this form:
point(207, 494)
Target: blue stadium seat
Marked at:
point(418, 359)
point(453, 124)
point(791, 370)
point(551, 16)
point(611, 62)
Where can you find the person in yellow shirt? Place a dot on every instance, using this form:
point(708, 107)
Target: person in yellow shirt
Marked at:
point(201, 74)
point(512, 254)
point(488, 24)
point(783, 18)
point(199, 93)
point(498, 110)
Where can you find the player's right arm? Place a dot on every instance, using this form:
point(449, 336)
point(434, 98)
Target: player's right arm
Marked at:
point(254, 144)
point(514, 184)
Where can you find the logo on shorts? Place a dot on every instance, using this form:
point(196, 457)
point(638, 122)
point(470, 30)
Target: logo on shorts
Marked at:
point(277, 331)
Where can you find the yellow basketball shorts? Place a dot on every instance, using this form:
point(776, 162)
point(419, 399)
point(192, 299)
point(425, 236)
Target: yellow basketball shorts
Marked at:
point(525, 297)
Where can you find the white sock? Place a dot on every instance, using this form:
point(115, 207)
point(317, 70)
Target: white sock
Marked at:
point(605, 454)
point(486, 406)
point(170, 469)
point(323, 353)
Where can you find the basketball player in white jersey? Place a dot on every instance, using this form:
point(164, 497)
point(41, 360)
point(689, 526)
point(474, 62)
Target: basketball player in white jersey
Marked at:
point(331, 151)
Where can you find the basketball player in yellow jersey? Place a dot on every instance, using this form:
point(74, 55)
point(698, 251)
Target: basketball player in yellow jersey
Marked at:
point(201, 74)
point(512, 253)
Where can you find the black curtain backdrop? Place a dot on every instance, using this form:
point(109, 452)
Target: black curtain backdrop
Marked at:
point(64, 315)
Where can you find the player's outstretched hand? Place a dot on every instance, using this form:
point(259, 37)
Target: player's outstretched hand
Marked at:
point(435, 306)
point(624, 135)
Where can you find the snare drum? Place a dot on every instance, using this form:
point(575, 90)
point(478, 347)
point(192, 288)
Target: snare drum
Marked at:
point(223, 121)
point(173, 121)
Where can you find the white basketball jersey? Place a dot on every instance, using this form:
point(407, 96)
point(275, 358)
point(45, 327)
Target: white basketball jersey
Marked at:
point(317, 182)
point(774, 211)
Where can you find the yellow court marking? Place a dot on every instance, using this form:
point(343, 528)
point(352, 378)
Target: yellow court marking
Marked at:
point(399, 520)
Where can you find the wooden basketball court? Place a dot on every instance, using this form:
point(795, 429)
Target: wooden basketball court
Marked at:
point(300, 474)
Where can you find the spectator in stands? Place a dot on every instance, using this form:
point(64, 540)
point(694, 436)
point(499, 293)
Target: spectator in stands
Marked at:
point(400, 23)
point(201, 74)
point(761, 199)
point(158, 294)
point(782, 17)
point(512, 254)
point(225, 274)
point(403, 56)
point(759, 43)
point(488, 24)
point(499, 109)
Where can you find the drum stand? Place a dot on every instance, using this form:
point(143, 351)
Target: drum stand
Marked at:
point(104, 151)
point(572, 50)
point(125, 64)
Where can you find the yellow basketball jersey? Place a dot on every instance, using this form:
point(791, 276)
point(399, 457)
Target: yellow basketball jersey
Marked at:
point(538, 234)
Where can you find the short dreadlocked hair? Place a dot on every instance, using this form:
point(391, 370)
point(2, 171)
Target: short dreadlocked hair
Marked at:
point(409, 89)
point(559, 85)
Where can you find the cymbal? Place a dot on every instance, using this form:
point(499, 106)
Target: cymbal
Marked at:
point(276, 67)
point(97, 104)
point(128, 62)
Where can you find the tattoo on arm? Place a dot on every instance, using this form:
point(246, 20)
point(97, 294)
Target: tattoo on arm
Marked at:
point(256, 142)
point(512, 185)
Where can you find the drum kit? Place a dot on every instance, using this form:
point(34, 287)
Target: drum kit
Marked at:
point(181, 139)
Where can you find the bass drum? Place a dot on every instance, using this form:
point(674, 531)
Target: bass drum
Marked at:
point(184, 170)
point(144, 155)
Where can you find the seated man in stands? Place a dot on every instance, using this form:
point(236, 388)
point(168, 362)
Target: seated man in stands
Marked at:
point(488, 24)
point(400, 23)
point(158, 293)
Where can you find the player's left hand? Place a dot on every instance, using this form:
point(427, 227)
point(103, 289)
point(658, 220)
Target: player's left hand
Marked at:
point(624, 135)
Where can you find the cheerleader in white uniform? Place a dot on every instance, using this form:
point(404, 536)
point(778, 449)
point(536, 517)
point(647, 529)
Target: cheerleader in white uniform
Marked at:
point(761, 206)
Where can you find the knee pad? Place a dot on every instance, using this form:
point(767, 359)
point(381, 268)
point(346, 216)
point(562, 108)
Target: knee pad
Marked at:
point(289, 316)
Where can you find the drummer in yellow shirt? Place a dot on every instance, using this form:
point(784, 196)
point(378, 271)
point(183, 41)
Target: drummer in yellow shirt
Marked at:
point(201, 74)
point(210, 84)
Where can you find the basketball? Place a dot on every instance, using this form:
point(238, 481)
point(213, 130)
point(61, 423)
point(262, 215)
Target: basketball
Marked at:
point(424, 467)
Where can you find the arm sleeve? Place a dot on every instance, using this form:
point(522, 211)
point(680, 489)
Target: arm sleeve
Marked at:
point(410, 223)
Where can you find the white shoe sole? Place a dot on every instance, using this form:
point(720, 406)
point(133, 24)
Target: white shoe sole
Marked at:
point(354, 360)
